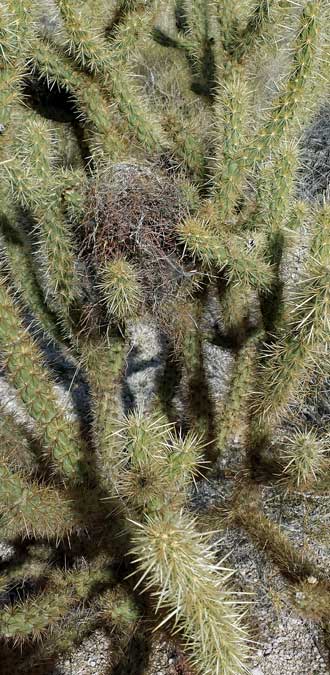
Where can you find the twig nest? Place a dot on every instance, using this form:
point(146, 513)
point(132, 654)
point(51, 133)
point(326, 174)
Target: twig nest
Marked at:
point(132, 214)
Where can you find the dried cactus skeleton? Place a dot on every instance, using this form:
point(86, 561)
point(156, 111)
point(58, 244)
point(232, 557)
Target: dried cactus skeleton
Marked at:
point(148, 172)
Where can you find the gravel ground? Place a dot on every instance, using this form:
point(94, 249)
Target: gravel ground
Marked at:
point(289, 644)
point(92, 658)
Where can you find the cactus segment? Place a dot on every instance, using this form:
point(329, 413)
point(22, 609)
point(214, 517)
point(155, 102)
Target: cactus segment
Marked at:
point(285, 107)
point(231, 425)
point(31, 509)
point(57, 71)
point(31, 619)
point(89, 49)
point(121, 289)
point(193, 590)
point(236, 257)
point(26, 370)
point(231, 115)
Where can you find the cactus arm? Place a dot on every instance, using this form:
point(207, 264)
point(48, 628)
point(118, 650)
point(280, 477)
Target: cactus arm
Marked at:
point(233, 255)
point(104, 363)
point(26, 371)
point(21, 622)
point(233, 423)
point(260, 18)
point(72, 187)
point(23, 277)
point(31, 619)
point(88, 48)
point(231, 114)
point(197, 16)
point(12, 69)
point(15, 446)
point(142, 123)
point(82, 42)
point(33, 182)
point(143, 481)
point(285, 108)
point(227, 13)
point(172, 557)
point(272, 213)
point(11, 77)
point(275, 188)
point(121, 289)
point(301, 343)
point(91, 104)
point(271, 537)
point(137, 118)
point(239, 310)
point(193, 387)
point(9, 36)
point(283, 374)
point(31, 509)
point(303, 456)
point(186, 459)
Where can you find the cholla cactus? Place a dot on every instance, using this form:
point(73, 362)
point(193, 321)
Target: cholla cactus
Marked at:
point(147, 171)
point(304, 456)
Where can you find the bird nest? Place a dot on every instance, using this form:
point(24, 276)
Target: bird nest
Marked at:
point(132, 211)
